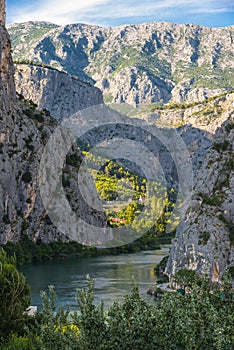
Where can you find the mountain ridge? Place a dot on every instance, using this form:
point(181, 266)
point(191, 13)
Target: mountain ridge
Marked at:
point(118, 26)
point(136, 64)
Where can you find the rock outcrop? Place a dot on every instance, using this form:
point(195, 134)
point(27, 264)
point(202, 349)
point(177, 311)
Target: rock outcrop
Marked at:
point(207, 115)
point(7, 90)
point(204, 240)
point(24, 131)
point(2, 13)
point(196, 123)
point(59, 92)
point(136, 64)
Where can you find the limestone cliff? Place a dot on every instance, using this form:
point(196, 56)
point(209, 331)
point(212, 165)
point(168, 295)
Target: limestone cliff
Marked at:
point(24, 131)
point(59, 92)
point(207, 115)
point(204, 240)
point(196, 122)
point(7, 90)
point(2, 13)
point(135, 64)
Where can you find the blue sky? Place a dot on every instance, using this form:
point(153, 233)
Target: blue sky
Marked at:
point(212, 13)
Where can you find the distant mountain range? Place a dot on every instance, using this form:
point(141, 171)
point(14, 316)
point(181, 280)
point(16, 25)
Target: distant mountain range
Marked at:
point(136, 64)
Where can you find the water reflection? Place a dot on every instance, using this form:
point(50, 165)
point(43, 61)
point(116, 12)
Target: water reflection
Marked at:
point(113, 275)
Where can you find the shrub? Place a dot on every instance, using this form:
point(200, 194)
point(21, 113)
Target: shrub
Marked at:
point(14, 296)
point(16, 342)
point(194, 321)
point(73, 159)
point(6, 219)
point(221, 146)
point(27, 177)
point(39, 117)
point(203, 238)
point(29, 113)
point(197, 320)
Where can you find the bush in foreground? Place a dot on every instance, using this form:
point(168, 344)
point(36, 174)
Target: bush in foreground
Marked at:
point(14, 296)
point(197, 320)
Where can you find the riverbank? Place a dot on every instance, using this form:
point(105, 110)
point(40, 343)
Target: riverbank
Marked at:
point(28, 252)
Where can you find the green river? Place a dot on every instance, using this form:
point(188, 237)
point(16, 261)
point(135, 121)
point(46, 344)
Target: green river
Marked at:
point(113, 275)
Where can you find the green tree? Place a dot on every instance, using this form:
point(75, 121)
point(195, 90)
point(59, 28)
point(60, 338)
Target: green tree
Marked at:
point(186, 279)
point(14, 296)
point(198, 320)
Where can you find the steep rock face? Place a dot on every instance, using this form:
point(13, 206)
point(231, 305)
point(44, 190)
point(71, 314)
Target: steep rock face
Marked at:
point(136, 64)
point(60, 93)
point(204, 239)
point(207, 115)
point(184, 91)
point(2, 13)
point(7, 90)
point(24, 131)
point(134, 86)
point(195, 123)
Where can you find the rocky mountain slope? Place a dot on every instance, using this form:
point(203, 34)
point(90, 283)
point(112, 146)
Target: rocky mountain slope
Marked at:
point(63, 95)
point(24, 131)
point(195, 122)
point(136, 64)
point(204, 240)
point(60, 93)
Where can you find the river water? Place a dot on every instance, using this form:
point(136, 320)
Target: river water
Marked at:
point(113, 276)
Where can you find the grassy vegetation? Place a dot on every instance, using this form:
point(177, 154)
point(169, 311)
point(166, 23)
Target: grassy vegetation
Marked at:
point(37, 63)
point(27, 251)
point(174, 105)
point(34, 32)
point(37, 115)
point(205, 76)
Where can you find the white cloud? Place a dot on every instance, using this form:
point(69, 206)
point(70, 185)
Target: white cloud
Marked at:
point(60, 11)
point(107, 11)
